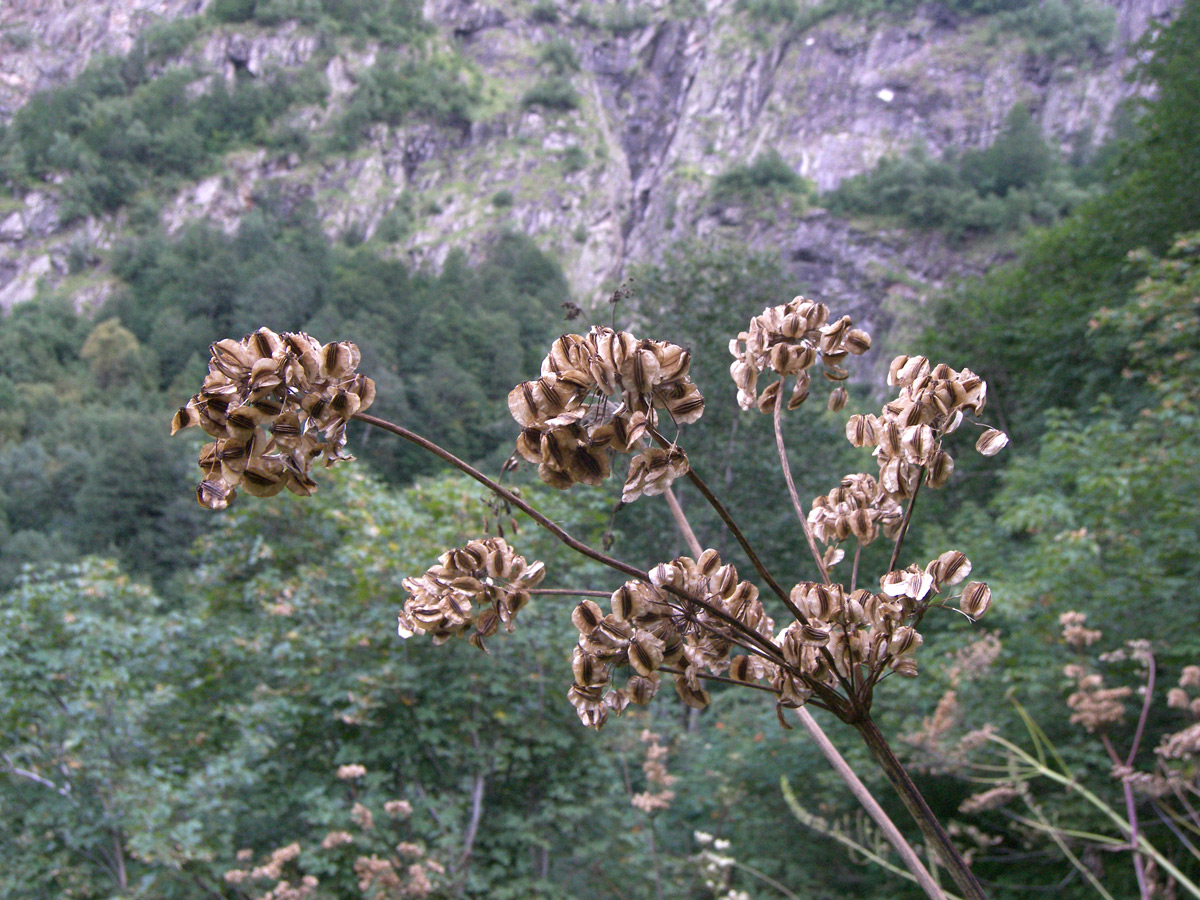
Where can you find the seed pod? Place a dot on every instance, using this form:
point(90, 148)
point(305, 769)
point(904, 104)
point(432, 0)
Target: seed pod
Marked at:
point(991, 442)
point(941, 466)
point(975, 600)
point(837, 399)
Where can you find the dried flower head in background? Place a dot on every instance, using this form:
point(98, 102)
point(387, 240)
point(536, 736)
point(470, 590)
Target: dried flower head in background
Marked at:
point(482, 586)
point(275, 404)
point(790, 339)
point(597, 394)
point(907, 434)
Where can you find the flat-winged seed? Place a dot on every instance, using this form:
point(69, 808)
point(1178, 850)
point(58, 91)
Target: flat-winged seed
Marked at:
point(991, 442)
point(975, 600)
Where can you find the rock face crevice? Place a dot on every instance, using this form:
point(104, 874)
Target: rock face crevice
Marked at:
point(666, 104)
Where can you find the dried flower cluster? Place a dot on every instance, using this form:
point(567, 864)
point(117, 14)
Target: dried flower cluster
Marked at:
point(907, 434)
point(654, 766)
point(1184, 745)
point(1094, 706)
point(790, 339)
point(651, 626)
point(481, 586)
point(854, 638)
point(1074, 631)
point(858, 507)
point(275, 404)
point(597, 395)
point(272, 870)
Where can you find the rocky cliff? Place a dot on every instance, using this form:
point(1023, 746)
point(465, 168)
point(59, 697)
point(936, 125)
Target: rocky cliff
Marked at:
point(664, 98)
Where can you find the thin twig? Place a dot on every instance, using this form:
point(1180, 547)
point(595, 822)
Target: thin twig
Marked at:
point(791, 486)
point(835, 759)
point(904, 522)
point(577, 545)
point(732, 525)
point(685, 528)
point(568, 592)
point(854, 571)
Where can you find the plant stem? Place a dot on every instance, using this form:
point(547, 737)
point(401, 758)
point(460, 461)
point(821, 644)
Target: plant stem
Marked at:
point(904, 522)
point(833, 757)
point(791, 486)
point(689, 536)
point(934, 833)
point(764, 645)
point(868, 802)
point(732, 525)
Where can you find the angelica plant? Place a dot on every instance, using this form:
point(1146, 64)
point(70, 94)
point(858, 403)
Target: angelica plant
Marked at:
point(276, 404)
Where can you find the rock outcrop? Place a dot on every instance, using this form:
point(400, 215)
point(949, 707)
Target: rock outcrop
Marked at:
point(666, 102)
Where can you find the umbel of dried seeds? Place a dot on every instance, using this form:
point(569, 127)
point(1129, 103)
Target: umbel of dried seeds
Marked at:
point(275, 403)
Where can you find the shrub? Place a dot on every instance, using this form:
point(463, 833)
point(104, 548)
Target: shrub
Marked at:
point(560, 56)
point(502, 199)
point(544, 12)
point(769, 174)
point(552, 93)
point(574, 159)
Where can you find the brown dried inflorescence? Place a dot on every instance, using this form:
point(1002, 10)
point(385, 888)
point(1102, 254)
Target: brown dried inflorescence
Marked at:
point(1094, 706)
point(597, 395)
point(855, 637)
point(275, 403)
point(907, 434)
point(790, 340)
point(480, 586)
point(859, 508)
point(651, 626)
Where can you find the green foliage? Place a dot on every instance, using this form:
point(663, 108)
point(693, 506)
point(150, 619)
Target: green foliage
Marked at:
point(392, 21)
point(1007, 187)
point(621, 20)
point(560, 56)
point(502, 199)
point(574, 159)
point(1028, 321)
point(115, 130)
point(544, 12)
point(552, 93)
point(443, 88)
point(768, 176)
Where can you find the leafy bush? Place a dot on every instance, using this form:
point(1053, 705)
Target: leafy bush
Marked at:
point(560, 56)
point(574, 159)
point(1016, 182)
point(502, 199)
point(442, 88)
point(552, 93)
point(623, 20)
point(768, 175)
point(544, 12)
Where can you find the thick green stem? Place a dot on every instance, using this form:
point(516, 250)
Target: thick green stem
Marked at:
point(934, 833)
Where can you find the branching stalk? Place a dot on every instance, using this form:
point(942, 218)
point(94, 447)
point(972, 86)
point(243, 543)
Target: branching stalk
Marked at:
point(934, 833)
point(574, 543)
point(791, 486)
point(834, 758)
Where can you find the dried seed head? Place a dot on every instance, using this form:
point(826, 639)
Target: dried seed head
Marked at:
point(991, 442)
point(275, 404)
point(976, 598)
point(486, 574)
point(596, 396)
point(790, 340)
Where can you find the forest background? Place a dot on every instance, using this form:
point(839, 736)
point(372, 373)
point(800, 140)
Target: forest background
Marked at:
point(184, 695)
